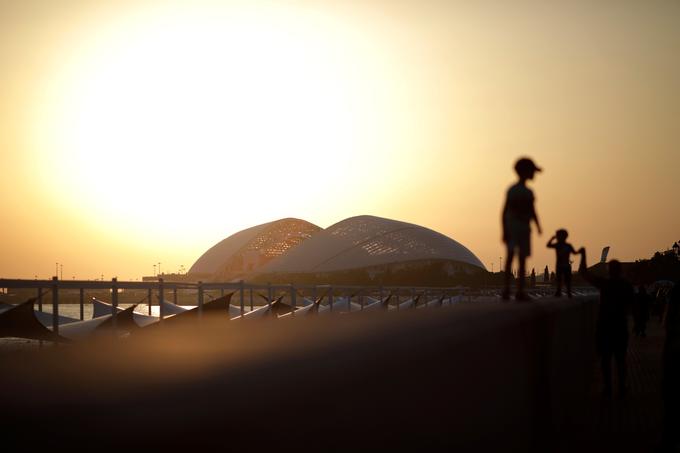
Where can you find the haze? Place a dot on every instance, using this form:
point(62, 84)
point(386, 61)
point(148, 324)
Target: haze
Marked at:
point(139, 132)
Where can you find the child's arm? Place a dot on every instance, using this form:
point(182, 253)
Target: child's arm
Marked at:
point(551, 242)
point(504, 216)
point(534, 216)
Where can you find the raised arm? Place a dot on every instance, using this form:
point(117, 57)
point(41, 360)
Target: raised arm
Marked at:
point(583, 265)
point(583, 270)
point(551, 242)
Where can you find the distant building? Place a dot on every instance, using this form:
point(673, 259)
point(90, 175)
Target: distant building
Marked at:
point(368, 241)
point(363, 247)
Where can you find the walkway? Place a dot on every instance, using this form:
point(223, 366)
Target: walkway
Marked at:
point(630, 424)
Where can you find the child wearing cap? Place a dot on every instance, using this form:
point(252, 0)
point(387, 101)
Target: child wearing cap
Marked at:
point(518, 212)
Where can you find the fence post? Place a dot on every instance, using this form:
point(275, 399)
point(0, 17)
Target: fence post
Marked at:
point(174, 295)
point(149, 299)
point(241, 290)
point(55, 305)
point(160, 299)
point(114, 303)
point(269, 294)
point(251, 299)
point(293, 299)
point(39, 299)
point(82, 297)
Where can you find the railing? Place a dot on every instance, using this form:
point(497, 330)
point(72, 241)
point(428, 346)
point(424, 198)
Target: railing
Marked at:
point(289, 291)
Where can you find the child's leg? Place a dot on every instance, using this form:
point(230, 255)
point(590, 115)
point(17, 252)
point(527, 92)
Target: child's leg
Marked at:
point(507, 276)
point(522, 273)
point(567, 282)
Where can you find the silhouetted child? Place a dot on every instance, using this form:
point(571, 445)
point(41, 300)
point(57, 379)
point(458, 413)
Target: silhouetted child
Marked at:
point(518, 212)
point(563, 250)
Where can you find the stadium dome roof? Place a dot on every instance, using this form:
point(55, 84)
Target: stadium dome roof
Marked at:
point(266, 241)
point(365, 241)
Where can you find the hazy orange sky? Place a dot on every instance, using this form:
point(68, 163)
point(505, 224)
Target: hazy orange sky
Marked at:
point(133, 132)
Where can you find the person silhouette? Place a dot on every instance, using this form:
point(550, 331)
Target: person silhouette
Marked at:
point(563, 251)
point(518, 212)
point(611, 334)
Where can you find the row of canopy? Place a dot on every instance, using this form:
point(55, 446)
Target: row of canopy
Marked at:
point(23, 321)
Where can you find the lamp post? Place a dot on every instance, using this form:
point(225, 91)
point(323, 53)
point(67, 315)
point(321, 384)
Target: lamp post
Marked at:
point(154, 270)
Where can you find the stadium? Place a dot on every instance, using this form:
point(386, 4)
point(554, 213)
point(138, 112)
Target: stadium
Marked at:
point(358, 250)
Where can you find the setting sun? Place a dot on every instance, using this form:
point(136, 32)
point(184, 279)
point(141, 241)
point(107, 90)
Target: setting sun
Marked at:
point(176, 113)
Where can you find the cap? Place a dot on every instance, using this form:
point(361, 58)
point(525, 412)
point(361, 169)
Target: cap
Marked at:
point(526, 164)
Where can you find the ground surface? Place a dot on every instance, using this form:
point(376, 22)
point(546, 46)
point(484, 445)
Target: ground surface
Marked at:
point(631, 423)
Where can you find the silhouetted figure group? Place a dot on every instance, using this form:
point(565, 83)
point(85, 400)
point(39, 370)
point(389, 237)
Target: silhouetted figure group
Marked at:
point(616, 294)
point(617, 299)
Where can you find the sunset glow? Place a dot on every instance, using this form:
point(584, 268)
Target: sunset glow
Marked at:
point(195, 111)
point(139, 132)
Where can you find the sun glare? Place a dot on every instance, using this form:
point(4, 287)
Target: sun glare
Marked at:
point(222, 114)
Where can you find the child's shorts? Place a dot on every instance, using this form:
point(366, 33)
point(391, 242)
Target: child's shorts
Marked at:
point(519, 242)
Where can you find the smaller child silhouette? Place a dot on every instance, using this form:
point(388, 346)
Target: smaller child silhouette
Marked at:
point(563, 250)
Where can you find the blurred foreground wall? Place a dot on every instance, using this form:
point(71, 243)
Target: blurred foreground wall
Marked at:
point(474, 377)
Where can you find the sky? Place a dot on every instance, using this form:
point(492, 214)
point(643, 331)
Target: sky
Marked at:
point(138, 132)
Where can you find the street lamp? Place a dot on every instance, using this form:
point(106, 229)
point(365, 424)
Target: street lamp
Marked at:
point(154, 270)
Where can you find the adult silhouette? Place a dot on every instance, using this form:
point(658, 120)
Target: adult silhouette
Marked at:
point(611, 335)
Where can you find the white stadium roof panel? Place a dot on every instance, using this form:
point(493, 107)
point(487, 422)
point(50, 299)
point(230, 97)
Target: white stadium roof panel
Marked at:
point(365, 241)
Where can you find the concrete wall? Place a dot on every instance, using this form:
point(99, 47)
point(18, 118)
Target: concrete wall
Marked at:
point(474, 377)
